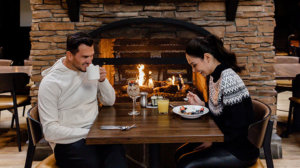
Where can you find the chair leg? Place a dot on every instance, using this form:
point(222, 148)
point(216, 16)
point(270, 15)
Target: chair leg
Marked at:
point(154, 150)
point(24, 110)
point(288, 130)
point(30, 150)
point(267, 145)
point(29, 156)
point(12, 121)
point(16, 116)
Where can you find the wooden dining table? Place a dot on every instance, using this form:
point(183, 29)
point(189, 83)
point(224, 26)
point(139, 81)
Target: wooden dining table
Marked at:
point(151, 127)
point(16, 69)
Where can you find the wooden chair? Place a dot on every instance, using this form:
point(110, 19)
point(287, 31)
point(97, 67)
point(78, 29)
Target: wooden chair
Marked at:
point(35, 134)
point(294, 101)
point(283, 85)
point(16, 84)
point(293, 45)
point(260, 132)
point(5, 62)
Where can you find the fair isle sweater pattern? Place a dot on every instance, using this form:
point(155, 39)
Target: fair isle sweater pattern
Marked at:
point(227, 91)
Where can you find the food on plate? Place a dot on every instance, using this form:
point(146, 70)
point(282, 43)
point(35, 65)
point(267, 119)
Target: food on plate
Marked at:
point(191, 111)
point(182, 108)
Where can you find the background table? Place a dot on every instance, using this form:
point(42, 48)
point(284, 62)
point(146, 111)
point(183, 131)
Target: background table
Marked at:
point(15, 69)
point(286, 71)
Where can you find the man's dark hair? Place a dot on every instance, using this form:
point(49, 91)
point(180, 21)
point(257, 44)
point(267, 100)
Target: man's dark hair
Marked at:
point(76, 39)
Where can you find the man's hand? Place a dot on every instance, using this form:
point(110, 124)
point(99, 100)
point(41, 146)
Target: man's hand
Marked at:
point(102, 72)
point(194, 99)
point(203, 146)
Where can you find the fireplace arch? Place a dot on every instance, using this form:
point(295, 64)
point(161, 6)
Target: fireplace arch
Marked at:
point(158, 43)
point(126, 22)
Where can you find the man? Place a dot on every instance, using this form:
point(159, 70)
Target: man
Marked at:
point(68, 106)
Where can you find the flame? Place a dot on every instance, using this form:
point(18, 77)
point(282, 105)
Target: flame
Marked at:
point(150, 82)
point(141, 78)
point(181, 80)
point(172, 80)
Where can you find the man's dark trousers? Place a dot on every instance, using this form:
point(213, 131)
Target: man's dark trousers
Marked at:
point(80, 155)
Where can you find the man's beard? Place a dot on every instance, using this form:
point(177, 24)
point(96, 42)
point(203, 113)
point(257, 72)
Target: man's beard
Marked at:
point(79, 68)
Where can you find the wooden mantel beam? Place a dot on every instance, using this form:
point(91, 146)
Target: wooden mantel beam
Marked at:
point(231, 8)
point(74, 8)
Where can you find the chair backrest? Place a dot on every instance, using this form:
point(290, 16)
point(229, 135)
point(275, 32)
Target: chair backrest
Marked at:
point(296, 86)
point(17, 82)
point(34, 126)
point(257, 130)
point(5, 62)
point(1, 52)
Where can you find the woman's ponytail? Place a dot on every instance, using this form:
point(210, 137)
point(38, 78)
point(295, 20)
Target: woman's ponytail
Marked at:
point(213, 45)
point(222, 54)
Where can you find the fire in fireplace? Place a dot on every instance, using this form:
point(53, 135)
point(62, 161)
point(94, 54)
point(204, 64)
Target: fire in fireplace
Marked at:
point(173, 88)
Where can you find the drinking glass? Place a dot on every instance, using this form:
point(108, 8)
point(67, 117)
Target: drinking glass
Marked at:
point(163, 106)
point(133, 91)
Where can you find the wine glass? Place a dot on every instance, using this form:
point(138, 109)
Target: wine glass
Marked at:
point(133, 91)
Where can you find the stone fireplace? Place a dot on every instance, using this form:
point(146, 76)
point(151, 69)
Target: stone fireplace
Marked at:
point(127, 31)
point(250, 35)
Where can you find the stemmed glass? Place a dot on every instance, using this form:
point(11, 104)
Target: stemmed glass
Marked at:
point(133, 91)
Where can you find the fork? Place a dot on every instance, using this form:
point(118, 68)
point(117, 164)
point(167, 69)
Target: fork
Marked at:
point(125, 128)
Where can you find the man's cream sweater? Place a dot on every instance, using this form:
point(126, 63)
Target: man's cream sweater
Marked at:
point(67, 103)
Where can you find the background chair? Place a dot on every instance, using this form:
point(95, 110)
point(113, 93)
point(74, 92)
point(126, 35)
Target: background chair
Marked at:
point(294, 108)
point(16, 84)
point(293, 45)
point(260, 132)
point(35, 134)
point(27, 62)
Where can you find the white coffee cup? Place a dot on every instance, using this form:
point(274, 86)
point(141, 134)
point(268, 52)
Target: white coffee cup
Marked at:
point(93, 72)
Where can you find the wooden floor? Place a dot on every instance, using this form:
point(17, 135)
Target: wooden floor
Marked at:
point(291, 145)
point(9, 155)
point(11, 158)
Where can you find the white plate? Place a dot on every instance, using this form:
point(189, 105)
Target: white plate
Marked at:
point(190, 108)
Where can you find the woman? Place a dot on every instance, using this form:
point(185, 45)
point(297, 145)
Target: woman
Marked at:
point(230, 106)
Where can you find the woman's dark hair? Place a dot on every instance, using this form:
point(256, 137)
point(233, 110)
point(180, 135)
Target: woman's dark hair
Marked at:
point(213, 45)
point(76, 39)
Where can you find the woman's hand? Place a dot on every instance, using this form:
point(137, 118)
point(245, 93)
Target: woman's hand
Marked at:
point(203, 146)
point(194, 99)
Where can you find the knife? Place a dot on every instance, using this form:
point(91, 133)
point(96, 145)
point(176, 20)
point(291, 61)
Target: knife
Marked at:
point(123, 128)
point(110, 127)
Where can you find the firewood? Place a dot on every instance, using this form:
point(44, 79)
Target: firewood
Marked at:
point(146, 89)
